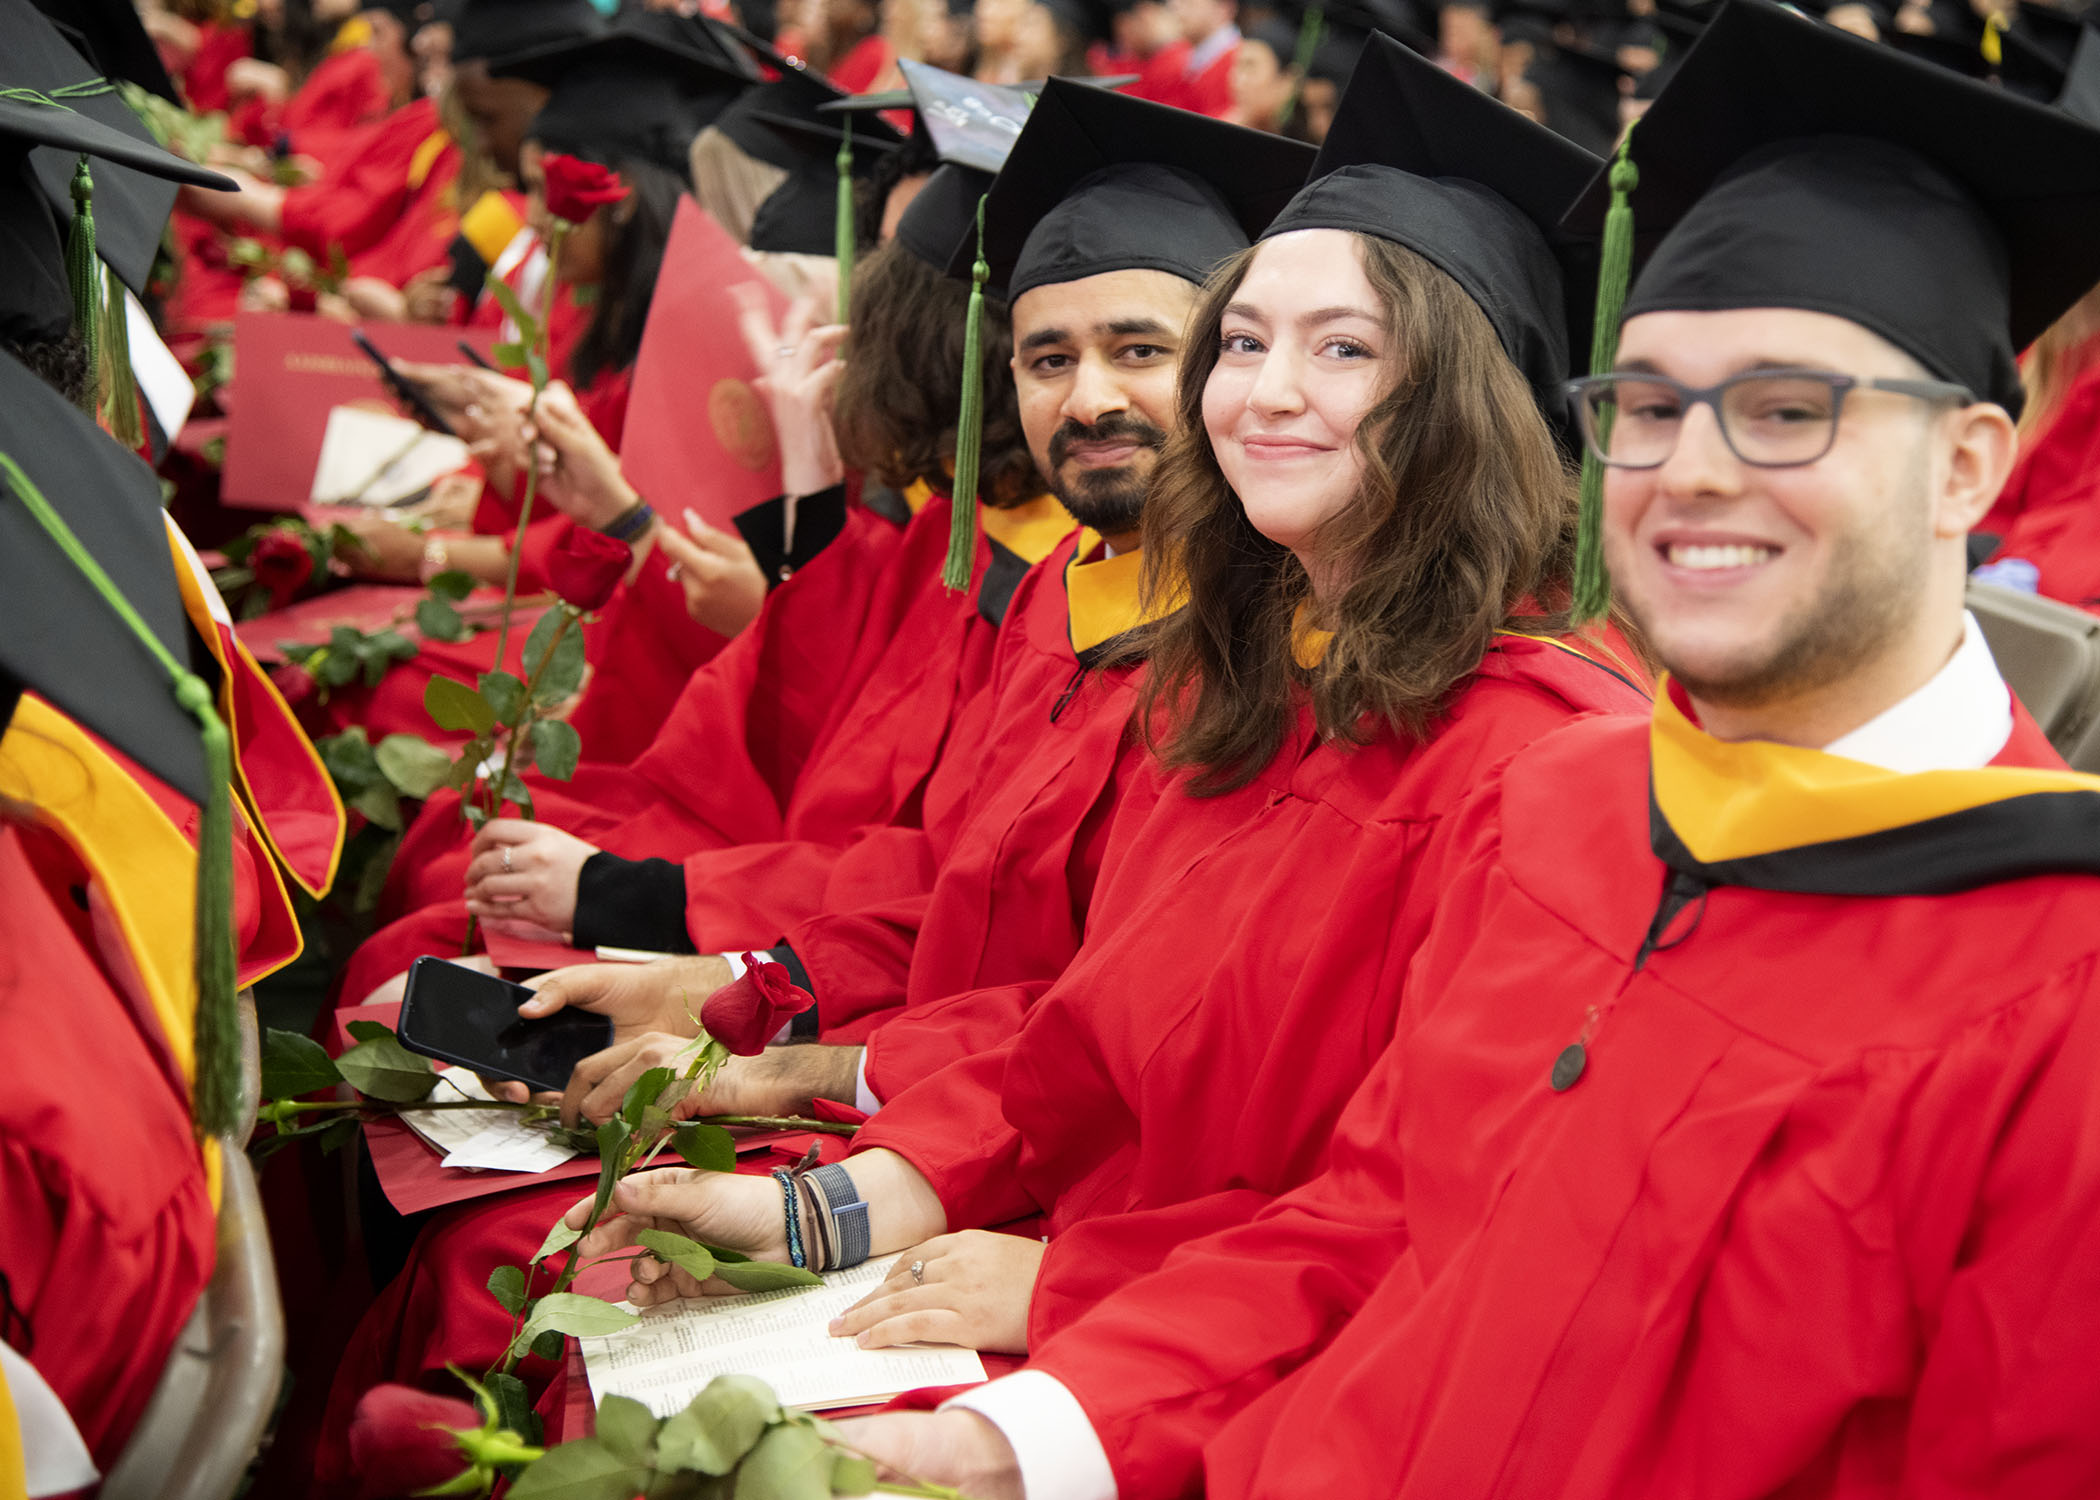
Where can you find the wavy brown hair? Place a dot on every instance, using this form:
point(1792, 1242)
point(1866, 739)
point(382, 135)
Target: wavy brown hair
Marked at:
point(898, 393)
point(1465, 525)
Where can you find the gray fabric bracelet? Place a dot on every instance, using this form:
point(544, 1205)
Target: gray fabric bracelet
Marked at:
point(845, 1213)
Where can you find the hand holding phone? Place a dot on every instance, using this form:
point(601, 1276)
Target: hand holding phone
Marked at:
point(463, 1016)
point(405, 390)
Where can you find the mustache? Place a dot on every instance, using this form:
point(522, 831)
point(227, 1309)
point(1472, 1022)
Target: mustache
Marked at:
point(1117, 427)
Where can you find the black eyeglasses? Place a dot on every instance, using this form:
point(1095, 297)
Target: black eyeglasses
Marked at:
point(1772, 419)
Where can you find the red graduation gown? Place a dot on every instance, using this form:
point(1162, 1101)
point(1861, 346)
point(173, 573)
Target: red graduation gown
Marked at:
point(109, 1234)
point(2049, 510)
point(394, 169)
point(1194, 1060)
point(1818, 1220)
point(778, 752)
point(1055, 764)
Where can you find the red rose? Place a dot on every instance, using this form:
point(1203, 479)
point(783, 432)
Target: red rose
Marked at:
point(576, 188)
point(586, 567)
point(745, 1015)
point(404, 1441)
point(282, 565)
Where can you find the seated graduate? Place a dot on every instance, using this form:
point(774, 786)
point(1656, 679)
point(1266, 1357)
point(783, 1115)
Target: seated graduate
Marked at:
point(1735, 1139)
point(1365, 508)
point(1017, 830)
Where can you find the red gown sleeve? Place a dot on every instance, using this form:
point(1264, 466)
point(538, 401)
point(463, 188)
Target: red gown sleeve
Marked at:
point(355, 210)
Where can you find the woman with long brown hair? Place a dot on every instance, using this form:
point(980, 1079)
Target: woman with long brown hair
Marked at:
point(1364, 499)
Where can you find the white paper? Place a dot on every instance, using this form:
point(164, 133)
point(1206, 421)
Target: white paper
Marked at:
point(492, 1140)
point(608, 954)
point(374, 458)
point(161, 379)
point(670, 1356)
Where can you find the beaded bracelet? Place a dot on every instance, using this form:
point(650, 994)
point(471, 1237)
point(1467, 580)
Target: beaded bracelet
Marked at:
point(788, 1195)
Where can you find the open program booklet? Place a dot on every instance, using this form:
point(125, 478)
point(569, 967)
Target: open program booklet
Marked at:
point(671, 1355)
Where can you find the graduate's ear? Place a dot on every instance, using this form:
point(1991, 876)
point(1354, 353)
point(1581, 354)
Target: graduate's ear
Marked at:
point(1984, 444)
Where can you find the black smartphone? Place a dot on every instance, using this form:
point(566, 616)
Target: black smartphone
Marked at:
point(463, 1016)
point(476, 357)
point(405, 390)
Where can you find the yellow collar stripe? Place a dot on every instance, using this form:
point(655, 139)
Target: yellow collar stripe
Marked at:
point(489, 225)
point(1030, 530)
point(14, 1468)
point(426, 157)
point(1728, 801)
point(916, 494)
point(1103, 595)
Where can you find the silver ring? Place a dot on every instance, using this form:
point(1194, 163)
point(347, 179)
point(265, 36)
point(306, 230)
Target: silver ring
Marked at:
point(918, 1271)
point(506, 859)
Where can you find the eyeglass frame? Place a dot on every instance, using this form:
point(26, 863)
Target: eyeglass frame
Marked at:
point(1710, 397)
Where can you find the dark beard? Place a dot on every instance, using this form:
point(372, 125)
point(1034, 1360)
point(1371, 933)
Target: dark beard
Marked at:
point(1110, 501)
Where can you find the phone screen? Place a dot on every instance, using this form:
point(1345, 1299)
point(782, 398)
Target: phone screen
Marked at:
point(463, 1016)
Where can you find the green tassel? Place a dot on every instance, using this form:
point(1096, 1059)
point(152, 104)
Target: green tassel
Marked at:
point(120, 391)
point(842, 239)
point(84, 277)
point(1309, 31)
point(969, 430)
point(1592, 584)
point(216, 1095)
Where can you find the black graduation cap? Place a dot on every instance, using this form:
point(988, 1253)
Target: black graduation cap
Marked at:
point(2081, 95)
point(940, 222)
point(2052, 28)
point(1102, 182)
point(644, 88)
point(511, 35)
point(109, 34)
point(62, 639)
point(36, 299)
point(1791, 164)
point(800, 217)
point(131, 204)
point(783, 121)
point(1089, 20)
point(1580, 88)
point(1419, 158)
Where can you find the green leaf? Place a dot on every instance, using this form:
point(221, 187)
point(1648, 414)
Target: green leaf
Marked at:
point(718, 1427)
point(349, 760)
point(381, 1068)
point(559, 1238)
point(554, 679)
point(514, 309)
point(708, 1147)
point(337, 669)
point(454, 705)
point(556, 747)
point(627, 1429)
point(612, 1142)
point(642, 1093)
point(510, 356)
point(583, 1470)
point(336, 1134)
point(380, 804)
point(575, 1314)
point(790, 1463)
point(414, 765)
point(548, 1345)
point(368, 1031)
point(505, 694)
point(451, 584)
point(293, 1065)
point(689, 1256)
point(468, 763)
point(764, 1275)
point(507, 1285)
point(852, 1474)
point(397, 646)
point(513, 1400)
point(536, 366)
point(439, 621)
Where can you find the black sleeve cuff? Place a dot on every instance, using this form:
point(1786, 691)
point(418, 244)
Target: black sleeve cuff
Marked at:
point(631, 903)
point(819, 519)
point(803, 1027)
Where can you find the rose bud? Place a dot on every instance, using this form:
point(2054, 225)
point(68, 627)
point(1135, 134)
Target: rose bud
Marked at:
point(747, 1013)
point(403, 1440)
point(575, 188)
point(282, 565)
point(586, 567)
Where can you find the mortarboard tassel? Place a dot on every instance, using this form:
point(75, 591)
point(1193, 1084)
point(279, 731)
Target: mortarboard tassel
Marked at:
point(216, 1094)
point(1993, 40)
point(84, 278)
point(843, 231)
point(1592, 585)
point(1309, 31)
point(969, 429)
point(120, 392)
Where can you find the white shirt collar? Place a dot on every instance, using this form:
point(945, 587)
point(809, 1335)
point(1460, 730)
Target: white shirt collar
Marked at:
point(1211, 48)
point(1958, 721)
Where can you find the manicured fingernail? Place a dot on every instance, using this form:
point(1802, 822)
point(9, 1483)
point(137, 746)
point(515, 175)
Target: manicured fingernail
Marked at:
point(836, 1326)
point(863, 1340)
point(693, 521)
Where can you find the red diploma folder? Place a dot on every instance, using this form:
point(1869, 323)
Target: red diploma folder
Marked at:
point(290, 371)
point(698, 433)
